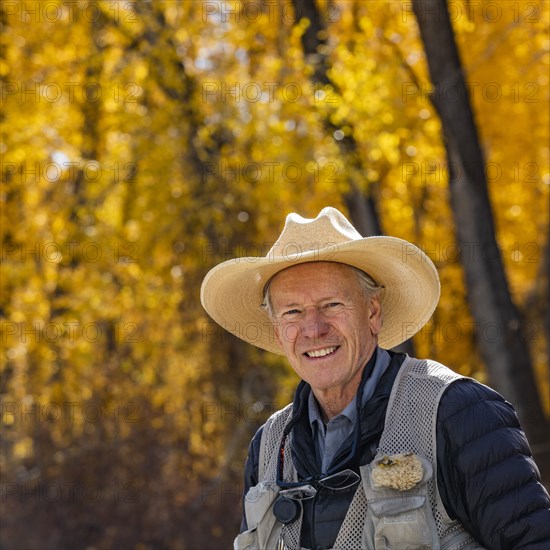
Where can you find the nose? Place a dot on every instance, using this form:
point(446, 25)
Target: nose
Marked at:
point(314, 324)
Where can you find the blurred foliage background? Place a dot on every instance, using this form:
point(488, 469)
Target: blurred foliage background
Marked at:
point(144, 142)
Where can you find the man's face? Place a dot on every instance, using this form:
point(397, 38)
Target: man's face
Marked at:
point(324, 322)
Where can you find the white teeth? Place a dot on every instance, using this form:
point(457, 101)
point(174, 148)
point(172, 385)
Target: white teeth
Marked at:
point(320, 352)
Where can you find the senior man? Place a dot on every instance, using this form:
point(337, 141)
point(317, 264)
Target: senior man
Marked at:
point(378, 449)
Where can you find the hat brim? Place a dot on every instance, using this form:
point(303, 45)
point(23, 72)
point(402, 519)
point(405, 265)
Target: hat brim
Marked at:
point(232, 292)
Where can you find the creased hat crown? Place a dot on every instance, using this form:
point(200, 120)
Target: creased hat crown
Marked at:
point(301, 235)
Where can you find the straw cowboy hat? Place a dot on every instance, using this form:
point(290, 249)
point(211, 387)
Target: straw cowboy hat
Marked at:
point(232, 292)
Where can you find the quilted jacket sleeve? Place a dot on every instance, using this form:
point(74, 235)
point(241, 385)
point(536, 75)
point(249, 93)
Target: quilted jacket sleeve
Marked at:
point(251, 470)
point(486, 475)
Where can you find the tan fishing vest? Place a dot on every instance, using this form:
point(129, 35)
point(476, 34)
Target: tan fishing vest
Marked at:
point(396, 507)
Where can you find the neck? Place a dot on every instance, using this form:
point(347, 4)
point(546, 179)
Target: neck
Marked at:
point(334, 400)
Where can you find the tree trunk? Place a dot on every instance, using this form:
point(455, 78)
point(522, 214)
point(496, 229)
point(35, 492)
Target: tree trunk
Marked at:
point(498, 323)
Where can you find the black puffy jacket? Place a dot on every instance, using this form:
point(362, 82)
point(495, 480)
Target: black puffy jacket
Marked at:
point(486, 475)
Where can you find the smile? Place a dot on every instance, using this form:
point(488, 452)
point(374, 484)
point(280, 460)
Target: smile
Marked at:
point(321, 352)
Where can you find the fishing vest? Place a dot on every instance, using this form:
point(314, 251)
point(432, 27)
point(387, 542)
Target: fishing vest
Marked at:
point(397, 504)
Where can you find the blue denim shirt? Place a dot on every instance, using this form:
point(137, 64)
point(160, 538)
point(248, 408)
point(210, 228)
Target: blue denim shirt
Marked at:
point(328, 439)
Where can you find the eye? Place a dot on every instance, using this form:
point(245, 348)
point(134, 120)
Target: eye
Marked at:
point(291, 312)
point(333, 308)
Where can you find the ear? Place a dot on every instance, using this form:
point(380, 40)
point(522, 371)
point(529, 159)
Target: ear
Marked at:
point(375, 315)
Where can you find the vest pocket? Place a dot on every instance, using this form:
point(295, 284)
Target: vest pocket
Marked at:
point(402, 523)
point(399, 519)
point(263, 526)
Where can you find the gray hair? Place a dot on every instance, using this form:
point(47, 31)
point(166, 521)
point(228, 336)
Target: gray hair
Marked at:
point(369, 287)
